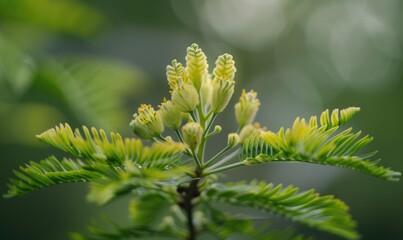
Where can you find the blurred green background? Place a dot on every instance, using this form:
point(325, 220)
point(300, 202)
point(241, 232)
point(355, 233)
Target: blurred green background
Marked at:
point(93, 62)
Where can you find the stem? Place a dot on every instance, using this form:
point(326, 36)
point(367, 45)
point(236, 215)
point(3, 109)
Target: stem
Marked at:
point(161, 138)
point(193, 116)
point(209, 124)
point(224, 160)
point(188, 194)
point(203, 142)
point(219, 154)
point(224, 168)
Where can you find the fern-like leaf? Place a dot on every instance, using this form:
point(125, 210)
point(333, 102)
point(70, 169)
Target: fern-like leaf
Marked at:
point(48, 172)
point(95, 145)
point(316, 143)
point(118, 181)
point(321, 212)
point(224, 226)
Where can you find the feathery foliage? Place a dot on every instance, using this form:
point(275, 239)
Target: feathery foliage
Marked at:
point(316, 143)
point(324, 213)
point(174, 188)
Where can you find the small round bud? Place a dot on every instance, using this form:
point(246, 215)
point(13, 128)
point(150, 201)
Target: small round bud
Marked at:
point(246, 108)
point(170, 114)
point(185, 98)
point(217, 129)
point(221, 95)
point(233, 139)
point(192, 134)
point(147, 124)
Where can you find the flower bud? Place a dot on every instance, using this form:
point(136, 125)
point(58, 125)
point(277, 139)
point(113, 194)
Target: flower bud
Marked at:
point(233, 139)
point(196, 65)
point(246, 108)
point(221, 95)
point(175, 74)
point(147, 123)
point(192, 134)
point(205, 91)
point(170, 114)
point(185, 98)
point(248, 131)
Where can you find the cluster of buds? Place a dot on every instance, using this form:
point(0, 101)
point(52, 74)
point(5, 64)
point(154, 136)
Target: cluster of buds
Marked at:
point(147, 124)
point(246, 108)
point(193, 88)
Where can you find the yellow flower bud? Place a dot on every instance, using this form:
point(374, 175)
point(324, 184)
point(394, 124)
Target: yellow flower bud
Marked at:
point(233, 139)
point(192, 134)
point(205, 91)
point(225, 67)
point(223, 83)
point(170, 114)
point(196, 65)
point(175, 74)
point(246, 108)
point(147, 123)
point(185, 98)
point(249, 130)
point(221, 95)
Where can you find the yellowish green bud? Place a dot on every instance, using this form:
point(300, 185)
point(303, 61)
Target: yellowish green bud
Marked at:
point(249, 130)
point(170, 114)
point(221, 95)
point(233, 139)
point(196, 65)
point(223, 83)
point(205, 91)
point(192, 134)
point(246, 108)
point(147, 123)
point(185, 98)
point(176, 73)
point(225, 67)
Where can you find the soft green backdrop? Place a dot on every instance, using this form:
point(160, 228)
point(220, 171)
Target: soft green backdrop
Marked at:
point(93, 62)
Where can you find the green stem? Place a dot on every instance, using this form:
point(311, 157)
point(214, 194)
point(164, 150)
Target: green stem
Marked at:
point(224, 168)
point(226, 159)
point(160, 137)
point(193, 116)
point(219, 154)
point(203, 141)
point(209, 124)
point(179, 135)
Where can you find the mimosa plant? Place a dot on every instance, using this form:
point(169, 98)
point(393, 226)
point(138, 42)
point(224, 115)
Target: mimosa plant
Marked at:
point(175, 188)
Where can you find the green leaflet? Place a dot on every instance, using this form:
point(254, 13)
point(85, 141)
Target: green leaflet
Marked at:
point(316, 143)
point(118, 181)
point(322, 212)
point(96, 145)
point(48, 172)
point(224, 226)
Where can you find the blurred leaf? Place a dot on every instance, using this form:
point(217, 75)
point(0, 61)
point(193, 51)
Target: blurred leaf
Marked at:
point(21, 122)
point(16, 70)
point(95, 90)
point(66, 16)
